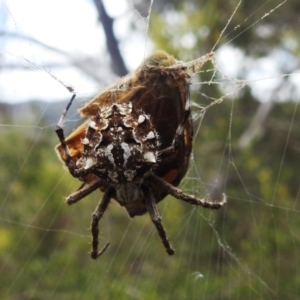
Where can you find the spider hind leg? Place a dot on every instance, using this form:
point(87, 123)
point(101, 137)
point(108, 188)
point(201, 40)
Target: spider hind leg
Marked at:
point(61, 136)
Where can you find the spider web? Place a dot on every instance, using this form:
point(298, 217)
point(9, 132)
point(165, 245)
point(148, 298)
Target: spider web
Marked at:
point(247, 146)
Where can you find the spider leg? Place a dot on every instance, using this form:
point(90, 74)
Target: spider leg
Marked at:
point(171, 149)
point(60, 133)
point(83, 192)
point(62, 118)
point(156, 219)
point(97, 215)
point(177, 193)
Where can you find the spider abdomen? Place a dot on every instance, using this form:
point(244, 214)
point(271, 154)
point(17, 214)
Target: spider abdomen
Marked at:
point(120, 144)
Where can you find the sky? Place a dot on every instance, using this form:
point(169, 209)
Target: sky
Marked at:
point(72, 27)
point(69, 25)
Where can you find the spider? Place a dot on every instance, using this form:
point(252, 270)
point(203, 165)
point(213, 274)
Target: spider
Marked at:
point(136, 144)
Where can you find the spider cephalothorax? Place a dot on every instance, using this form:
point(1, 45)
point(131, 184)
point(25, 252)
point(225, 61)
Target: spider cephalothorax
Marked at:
point(136, 144)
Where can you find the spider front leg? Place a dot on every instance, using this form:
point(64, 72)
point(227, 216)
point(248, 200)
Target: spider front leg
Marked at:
point(97, 215)
point(156, 218)
point(83, 192)
point(177, 193)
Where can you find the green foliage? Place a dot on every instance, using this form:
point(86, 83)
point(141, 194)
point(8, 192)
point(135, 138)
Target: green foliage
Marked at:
point(256, 27)
point(44, 244)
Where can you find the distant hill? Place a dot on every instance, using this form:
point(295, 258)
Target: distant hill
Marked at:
point(39, 113)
